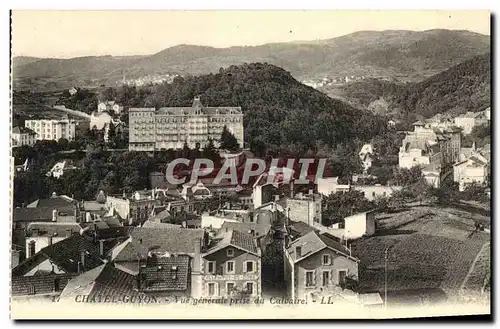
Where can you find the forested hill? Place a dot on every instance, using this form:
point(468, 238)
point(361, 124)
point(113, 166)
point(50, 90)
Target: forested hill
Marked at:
point(463, 87)
point(279, 111)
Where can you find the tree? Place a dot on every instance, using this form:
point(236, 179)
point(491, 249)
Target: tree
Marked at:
point(337, 206)
point(228, 141)
point(406, 177)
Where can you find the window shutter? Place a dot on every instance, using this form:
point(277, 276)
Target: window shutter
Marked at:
point(217, 289)
point(315, 274)
point(331, 278)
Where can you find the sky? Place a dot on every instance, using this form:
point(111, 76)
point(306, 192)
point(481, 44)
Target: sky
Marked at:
point(66, 34)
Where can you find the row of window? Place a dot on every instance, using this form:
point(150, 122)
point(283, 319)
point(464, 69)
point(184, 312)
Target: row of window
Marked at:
point(325, 278)
point(248, 267)
point(213, 289)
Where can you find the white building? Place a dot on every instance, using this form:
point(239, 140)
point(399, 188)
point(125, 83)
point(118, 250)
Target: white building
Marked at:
point(109, 106)
point(53, 129)
point(469, 120)
point(470, 171)
point(358, 225)
point(23, 136)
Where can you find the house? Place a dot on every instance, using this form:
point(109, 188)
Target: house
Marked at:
point(60, 168)
point(23, 136)
point(104, 281)
point(55, 209)
point(109, 106)
point(472, 170)
point(469, 120)
point(317, 265)
point(145, 243)
point(330, 185)
point(39, 287)
point(432, 175)
point(196, 191)
point(262, 233)
point(232, 266)
point(47, 129)
point(304, 208)
point(73, 255)
point(42, 234)
point(165, 275)
point(72, 91)
point(372, 192)
point(359, 225)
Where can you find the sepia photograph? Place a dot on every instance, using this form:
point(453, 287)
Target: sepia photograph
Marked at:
point(221, 164)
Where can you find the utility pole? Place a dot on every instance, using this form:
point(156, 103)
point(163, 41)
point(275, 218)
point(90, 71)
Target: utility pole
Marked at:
point(386, 253)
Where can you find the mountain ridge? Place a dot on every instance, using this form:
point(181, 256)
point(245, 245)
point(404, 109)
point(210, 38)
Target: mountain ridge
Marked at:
point(370, 53)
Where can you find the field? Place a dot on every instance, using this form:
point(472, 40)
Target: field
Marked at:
point(432, 250)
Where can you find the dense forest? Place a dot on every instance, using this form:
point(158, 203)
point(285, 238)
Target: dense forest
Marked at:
point(280, 112)
point(464, 87)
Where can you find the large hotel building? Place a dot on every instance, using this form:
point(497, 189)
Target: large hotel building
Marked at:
point(171, 127)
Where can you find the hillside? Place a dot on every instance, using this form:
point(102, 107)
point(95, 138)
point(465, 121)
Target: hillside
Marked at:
point(463, 87)
point(279, 111)
point(368, 53)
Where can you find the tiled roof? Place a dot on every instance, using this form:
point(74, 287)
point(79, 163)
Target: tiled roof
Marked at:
point(32, 214)
point(150, 223)
point(39, 284)
point(93, 206)
point(313, 242)
point(173, 241)
point(298, 229)
point(104, 280)
point(165, 274)
point(237, 239)
point(260, 229)
point(52, 228)
point(65, 254)
point(56, 202)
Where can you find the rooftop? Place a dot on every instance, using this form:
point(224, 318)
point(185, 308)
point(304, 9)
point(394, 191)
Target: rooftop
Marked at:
point(313, 242)
point(242, 241)
point(165, 274)
point(65, 254)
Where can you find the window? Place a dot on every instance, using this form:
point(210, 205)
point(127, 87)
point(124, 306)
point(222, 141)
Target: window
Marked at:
point(249, 267)
point(212, 289)
point(373, 194)
point(326, 259)
point(229, 267)
point(309, 278)
point(229, 288)
point(230, 252)
point(342, 275)
point(249, 287)
point(211, 267)
point(252, 232)
point(326, 278)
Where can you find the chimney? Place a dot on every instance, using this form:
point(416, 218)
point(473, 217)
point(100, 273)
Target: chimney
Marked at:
point(50, 240)
point(101, 248)
point(88, 217)
point(298, 252)
point(82, 259)
point(291, 187)
point(276, 198)
point(54, 194)
point(184, 224)
point(197, 256)
point(311, 191)
point(54, 215)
